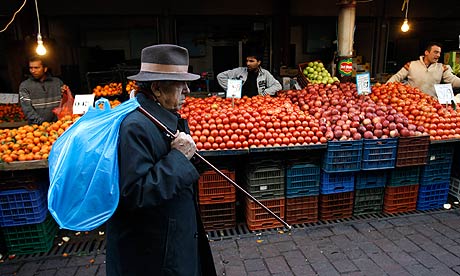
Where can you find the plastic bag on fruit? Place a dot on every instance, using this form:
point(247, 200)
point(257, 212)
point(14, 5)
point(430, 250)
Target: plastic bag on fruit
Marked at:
point(83, 168)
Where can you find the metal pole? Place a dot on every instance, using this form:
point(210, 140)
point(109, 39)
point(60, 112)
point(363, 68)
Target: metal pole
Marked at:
point(165, 129)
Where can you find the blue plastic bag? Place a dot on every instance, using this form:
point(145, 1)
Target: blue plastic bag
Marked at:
point(83, 168)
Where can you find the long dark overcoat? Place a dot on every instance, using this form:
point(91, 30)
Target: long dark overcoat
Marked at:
point(156, 229)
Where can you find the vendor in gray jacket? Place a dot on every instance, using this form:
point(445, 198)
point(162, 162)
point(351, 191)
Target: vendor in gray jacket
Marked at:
point(256, 80)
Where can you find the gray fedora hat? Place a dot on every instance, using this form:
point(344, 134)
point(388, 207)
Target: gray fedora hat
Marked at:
point(164, 62)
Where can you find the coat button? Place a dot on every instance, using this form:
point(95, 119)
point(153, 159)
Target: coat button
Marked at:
point(196, 235)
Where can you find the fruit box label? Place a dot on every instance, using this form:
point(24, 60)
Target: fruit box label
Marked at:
point(345, 67)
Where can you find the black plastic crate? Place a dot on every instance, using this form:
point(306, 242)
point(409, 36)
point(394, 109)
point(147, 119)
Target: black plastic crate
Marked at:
point(368, 201)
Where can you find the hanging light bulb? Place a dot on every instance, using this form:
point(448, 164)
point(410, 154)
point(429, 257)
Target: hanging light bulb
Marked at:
point(41, 50)
point(405, 26)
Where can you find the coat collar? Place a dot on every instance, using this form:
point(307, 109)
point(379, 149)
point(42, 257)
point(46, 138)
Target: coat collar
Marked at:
point(168, 118)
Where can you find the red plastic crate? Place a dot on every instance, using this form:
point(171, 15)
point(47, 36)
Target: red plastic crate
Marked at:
point(218, 216)
point(214, 188)
point(302, 209)
point(400, 199)
point(336, 206)
point(412, 151)
point(257, 218)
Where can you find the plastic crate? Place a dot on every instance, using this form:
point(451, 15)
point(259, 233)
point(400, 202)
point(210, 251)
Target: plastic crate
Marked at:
point(218, 216)
point(404, 176)
point(336, 206)
point(23, 206)
point(343, 156)
point(32, 238)
point(435, 173)
point(412, 151)
point(379, 154)
point(400, 199)
point(432, 196)
point(214, 188)
point(454, 188)
point(302, 209)
point(265, 180)
point(257, 218)
point(332, 183)
point(370, 179)
point(103, 78)
point(368, 201)
point(440, 154)
point(302, 180)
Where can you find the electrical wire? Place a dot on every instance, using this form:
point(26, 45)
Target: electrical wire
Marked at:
point(14, 15)
point(38, 17)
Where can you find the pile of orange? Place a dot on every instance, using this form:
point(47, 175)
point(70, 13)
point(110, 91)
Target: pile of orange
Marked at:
point(111, 89)
point(32, 142)
point(131, 85)
point(11, 113)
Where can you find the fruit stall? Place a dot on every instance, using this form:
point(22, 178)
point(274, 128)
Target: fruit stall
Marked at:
point(315, 154)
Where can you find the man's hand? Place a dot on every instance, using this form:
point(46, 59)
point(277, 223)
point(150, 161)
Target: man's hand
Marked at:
point(185, 144)
point(64, 89)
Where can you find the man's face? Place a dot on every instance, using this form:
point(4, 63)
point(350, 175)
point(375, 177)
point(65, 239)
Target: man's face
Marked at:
point(172, 94)
point(37, 70)
point(433, 55)
point(252, 63)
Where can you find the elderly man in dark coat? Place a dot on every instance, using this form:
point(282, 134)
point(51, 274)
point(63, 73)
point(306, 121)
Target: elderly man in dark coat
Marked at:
point(156, 229)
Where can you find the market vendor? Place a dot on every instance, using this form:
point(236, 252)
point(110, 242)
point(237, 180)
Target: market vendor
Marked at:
point(256, 80)
point(427, 71)
point(40, 93)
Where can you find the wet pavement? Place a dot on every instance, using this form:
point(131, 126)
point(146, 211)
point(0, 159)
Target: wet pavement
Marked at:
point(419, 243)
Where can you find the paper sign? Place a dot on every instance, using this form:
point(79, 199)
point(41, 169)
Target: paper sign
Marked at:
point(445, 93)
point(234, 88)
point(82, 102)
point(363, 83)
point(6, 98)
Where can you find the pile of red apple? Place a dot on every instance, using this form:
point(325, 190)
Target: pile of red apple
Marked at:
point(317, 114)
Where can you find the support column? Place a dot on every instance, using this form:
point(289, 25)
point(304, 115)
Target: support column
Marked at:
point(346, 26)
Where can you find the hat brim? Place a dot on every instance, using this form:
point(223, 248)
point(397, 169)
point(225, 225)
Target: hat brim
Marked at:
point(148, 76)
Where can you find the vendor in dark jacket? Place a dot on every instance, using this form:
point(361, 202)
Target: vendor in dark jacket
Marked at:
point(156, 229)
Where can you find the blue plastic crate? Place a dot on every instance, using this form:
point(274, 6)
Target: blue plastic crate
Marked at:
point(379, 154)
point(432, 196)
point(370, 179)
point(22, 207)
point(302, 180)
point(440, 154)
point(343, 156)
point(435, 173)
point(404, 176)
point(332, 183)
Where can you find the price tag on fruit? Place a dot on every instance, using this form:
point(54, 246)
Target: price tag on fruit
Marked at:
point(234, 88)
point(6, 98)
point(445, 93)
point(363, 83)
point(82, 102)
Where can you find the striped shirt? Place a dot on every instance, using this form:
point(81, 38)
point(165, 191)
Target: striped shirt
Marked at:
point(38, 98)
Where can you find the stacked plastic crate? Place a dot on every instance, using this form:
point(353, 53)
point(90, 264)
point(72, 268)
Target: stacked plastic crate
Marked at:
point(264, 180)
point(402, 187)
point(26, 224)
point(340, 162)
point(435, 177)
point(302, 192)
point(217, 200)
point(454, 188)
point(379, 156)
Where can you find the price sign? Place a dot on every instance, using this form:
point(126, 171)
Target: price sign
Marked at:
point(6, 98)
point(82, 102)
point(445, 93)
point(363, 83)
point(234, 88)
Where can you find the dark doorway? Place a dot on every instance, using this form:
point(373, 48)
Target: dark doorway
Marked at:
point(223, 58)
